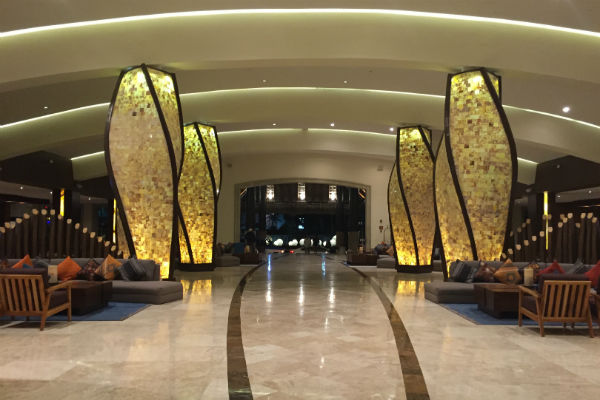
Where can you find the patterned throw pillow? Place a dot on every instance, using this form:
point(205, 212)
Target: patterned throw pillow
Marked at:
point(460, 272)
point(485, 273)
point(579, 267)
point(132, 270)
point(68, 269)
point(108, 268)
point(38, 262)
point(508, 273)
point(88, 273)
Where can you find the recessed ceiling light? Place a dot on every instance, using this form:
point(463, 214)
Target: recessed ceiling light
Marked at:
point(589, 191)
point(264, 81)
point(45, 107)
point(392, 129)
point(566, 109)
point(345, 81)
point(274, 124)
point(558, 195)
point(332, 124)
point(21, 188)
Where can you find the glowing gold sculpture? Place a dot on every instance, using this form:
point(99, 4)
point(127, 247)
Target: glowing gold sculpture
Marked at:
point(143, 155)
point(197, 195)
point(477, 158)
point(400, 226)
point(415, 172)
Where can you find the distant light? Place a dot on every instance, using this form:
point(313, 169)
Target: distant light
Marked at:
point(21, 188)
point(392, 129)
point(589, 191)
point(264, 81)
point(51, 192)
point(332, 124)
point(566, 109)
point(45, 107)
point(345, 81)
point(274, 123)
point(89, 198)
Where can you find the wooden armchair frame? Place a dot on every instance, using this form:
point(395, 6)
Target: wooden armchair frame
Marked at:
point(560, 301)
point(25, 295)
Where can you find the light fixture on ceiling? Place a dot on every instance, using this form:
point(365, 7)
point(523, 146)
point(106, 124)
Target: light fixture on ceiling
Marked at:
point(392, 129)
point(89, 198)
point(274, 123)
point(51, 192)
point(345, 81)
point(566, 109)
point(264, 81)
point(332, 124)
point(558, 196)
point(21, 187)
point(589, 191)
point(45, 107)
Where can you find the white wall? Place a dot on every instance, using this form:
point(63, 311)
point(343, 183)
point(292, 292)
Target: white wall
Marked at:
point(342, 169)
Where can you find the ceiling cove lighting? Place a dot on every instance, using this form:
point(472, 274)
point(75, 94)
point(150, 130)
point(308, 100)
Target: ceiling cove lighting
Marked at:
point(87, 155)
point(405, 13)
point(225, 91)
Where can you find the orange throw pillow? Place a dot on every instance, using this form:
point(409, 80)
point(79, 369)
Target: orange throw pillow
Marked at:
point(25, 260)
point(68, 269)
point(108, 267)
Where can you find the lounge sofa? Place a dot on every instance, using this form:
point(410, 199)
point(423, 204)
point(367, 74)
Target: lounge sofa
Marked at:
point(151, 290)
point(464, 293)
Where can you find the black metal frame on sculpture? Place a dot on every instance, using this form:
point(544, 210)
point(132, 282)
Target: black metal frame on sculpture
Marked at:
point(418, 268)
point(174, 250)
point(497, 99)
point(205, 266)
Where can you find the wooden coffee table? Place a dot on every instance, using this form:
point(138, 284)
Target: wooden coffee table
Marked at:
point(497, 299)
point(89, 296)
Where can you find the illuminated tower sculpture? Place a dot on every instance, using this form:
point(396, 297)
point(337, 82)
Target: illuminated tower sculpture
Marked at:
point(144, 155)
point(476, 169)
point(411, 200)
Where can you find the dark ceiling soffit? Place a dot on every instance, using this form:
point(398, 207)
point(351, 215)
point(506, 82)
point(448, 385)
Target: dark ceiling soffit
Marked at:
point(41, 169)
point(566, 173)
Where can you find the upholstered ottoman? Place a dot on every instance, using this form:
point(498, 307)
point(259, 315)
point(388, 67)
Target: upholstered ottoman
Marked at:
point(227, 260)
point(152, 292)
point(450, 292)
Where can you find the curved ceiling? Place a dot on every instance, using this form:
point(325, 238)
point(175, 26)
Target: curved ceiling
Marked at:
point(355, 68)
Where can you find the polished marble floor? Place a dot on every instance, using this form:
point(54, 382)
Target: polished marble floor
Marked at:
point(311, 328)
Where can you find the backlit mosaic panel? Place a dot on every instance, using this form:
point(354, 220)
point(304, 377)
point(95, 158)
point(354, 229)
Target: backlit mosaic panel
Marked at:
point(416, 177)
point(121, 239)
point(141, 167)
point(403, 242)
point(483, 160)
point(211, 142)
point(196, 199)
point(167, 97)
point(453, 229)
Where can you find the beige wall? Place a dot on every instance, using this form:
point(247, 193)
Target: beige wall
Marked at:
point(351, 170)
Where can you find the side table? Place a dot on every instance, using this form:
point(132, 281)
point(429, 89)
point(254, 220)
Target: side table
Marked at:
point(89, 296)
point(497, 299)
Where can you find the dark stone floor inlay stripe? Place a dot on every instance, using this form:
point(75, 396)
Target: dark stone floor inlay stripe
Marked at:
point(414, 382)
point(237, 371)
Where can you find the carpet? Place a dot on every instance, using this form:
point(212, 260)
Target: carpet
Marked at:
point(113, 312)
point(473, 314)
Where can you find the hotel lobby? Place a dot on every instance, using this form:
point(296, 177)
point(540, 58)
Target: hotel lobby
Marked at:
point(331, 200)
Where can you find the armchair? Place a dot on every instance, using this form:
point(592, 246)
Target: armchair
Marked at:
point(565, 301)
point(25, 292)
